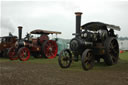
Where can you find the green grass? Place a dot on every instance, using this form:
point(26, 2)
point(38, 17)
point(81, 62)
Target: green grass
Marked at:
point(122, 63)
point(33, 60)
point(124, 56)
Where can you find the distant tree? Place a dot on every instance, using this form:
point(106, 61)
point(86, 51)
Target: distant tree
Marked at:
point(120, 38)
point(123, 38)
point(126, 38)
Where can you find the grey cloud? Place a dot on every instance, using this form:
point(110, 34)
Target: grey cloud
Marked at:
point(59, 15)
point(7, 24)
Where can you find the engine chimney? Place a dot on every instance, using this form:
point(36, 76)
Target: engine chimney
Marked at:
point(78, 22)
point(20, 32)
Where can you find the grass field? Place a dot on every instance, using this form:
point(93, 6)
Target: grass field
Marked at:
point(75, 65)
point(47, 72)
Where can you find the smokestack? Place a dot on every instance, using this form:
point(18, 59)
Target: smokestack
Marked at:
point(20, 32)
point(78, 22)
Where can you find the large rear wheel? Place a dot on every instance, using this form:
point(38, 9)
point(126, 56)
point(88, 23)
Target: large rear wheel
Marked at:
point(49, 49)
point(112, 51)
point(87, 59)
point(24, 54)
point(12, 54)
point(65, 58)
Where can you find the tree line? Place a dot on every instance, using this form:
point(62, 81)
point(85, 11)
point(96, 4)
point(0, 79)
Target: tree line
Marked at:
point(122, 38)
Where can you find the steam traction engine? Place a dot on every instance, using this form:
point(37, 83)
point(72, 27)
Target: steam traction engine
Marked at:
point(40, 46)
point(92, 41)
point(5, 43)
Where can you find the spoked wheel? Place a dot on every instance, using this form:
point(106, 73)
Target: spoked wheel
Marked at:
point(65, 58)
point(49, 49)
point(24, 54)
point(112, 51)
point(88, 59)
point(12, 53)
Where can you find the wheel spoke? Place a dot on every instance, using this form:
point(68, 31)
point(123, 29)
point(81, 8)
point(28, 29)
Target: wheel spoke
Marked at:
point(64, 59)
point(87, 59)
point(24, 54)
point(50, 49)
point(12, 54)
point(112, 51)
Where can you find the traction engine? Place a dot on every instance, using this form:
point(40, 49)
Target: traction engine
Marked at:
point(40, 46)
point(92, 41)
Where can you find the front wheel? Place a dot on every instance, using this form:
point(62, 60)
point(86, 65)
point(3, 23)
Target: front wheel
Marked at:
point(87, 59)
point(12, 54)
point(24, 54)
point(65, 58)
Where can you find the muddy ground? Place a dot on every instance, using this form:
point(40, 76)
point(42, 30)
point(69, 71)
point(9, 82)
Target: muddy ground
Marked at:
point(24, 73)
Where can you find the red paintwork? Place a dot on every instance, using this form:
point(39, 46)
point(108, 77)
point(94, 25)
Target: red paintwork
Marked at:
point(12, 55)
point(35, 46)
point(24, 54)
point(47, 49)
point(7, 42)
point(43, 38)
point(121, 51)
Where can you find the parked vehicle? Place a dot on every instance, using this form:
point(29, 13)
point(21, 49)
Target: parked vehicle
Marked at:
point(40, 46)
point(5, 43)
point(92, 41)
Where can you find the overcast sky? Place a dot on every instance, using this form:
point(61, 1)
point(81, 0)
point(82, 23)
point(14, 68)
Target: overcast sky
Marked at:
point(58, 15)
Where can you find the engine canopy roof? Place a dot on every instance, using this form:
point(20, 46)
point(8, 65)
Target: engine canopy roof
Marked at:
point(94, 26)
point(39, 31)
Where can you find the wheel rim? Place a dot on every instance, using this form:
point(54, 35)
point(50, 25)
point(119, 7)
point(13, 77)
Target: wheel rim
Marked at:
point(12, 54)
point(88, 60)
point(65, 58)
point(24, 54)
point(114, 50)
point(50, 49)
